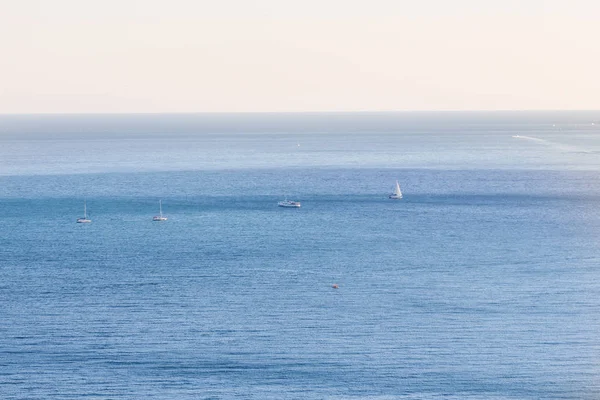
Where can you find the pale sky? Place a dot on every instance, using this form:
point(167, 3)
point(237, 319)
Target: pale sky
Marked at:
point(81, 56)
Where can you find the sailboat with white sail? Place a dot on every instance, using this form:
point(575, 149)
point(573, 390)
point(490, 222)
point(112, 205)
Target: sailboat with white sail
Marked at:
point(397, 195)
point(85, 219)
point(160, 216)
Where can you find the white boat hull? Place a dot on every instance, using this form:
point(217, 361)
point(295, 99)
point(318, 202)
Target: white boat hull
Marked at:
point(159, 218)
point(289, 204)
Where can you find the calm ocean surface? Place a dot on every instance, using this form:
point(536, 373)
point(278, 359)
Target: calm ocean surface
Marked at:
point(483, 283)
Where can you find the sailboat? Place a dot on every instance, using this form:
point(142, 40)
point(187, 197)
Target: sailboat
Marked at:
point(397, 195)
point(160, 216)
point(85, 219)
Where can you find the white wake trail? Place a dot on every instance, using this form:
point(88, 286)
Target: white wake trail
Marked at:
point(555, 145)
point(531, 138)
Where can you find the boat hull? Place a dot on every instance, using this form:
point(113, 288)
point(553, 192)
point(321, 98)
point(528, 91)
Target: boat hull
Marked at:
point(83, 221)
point(289, 204)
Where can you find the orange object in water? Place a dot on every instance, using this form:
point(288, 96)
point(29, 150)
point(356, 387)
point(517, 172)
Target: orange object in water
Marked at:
point(335, 286)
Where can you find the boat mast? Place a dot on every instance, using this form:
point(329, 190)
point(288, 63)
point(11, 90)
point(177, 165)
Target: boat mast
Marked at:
point(160, 207)
point(84, 210)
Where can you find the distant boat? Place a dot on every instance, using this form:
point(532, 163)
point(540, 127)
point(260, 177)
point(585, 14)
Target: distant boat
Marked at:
point(85, 219)
point(397, 195)
point(160, 216)
point(289, 204)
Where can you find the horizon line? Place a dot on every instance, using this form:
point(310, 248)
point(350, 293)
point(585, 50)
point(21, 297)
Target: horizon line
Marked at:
point(291, 112)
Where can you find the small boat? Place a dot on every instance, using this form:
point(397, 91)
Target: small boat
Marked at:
point(397, 195)
point(289, 204)
point(160, 216)
point(85, 219)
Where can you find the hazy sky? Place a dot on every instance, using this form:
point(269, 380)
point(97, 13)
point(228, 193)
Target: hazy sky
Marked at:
point(309, 55)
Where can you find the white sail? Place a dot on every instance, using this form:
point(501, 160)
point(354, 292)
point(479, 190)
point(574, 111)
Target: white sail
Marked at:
point(398, 192)
point(397, 195)
point(160, 216)
point(85, 217)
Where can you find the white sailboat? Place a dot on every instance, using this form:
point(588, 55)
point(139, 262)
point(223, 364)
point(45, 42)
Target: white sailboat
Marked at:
point(397, 195)
point(85, 219)
point(160, 216)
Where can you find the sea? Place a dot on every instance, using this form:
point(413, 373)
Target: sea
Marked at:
point(483, 282)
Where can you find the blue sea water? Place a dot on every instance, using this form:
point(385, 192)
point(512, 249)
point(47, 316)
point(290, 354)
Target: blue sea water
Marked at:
point(483, 283)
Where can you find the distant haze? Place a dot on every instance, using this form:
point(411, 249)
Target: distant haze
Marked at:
point(72, 56)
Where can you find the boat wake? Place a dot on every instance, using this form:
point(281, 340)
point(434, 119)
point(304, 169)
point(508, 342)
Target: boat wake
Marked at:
point(530, 138)
point(558, 146)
